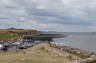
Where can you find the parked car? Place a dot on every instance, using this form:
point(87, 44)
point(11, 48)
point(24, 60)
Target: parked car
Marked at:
point(24, 40)
point(30, 40)
point(1, 46)
point(15, 43)
point(25, 46)
point(37, 42)
point(29, 45)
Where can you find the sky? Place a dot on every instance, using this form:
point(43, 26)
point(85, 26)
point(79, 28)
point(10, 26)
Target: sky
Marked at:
point(49, 15)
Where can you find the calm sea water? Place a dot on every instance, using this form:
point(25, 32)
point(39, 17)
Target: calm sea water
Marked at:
point(81, 41)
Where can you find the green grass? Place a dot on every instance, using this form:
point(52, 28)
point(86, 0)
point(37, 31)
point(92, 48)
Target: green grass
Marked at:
point(7, 36)
point(4, 34)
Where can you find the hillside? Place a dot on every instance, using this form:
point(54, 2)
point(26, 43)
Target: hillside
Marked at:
point(11, 34)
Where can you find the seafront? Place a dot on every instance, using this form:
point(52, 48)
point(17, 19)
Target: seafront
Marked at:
point(34, 54)
point(28, 44)
point(65, 53)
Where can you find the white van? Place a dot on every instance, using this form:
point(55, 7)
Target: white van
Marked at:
point(1, 46)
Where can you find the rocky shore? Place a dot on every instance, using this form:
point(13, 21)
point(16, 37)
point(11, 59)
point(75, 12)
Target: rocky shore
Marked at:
point(74, 54)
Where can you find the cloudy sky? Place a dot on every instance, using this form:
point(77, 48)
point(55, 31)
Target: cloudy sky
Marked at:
point(49, 15)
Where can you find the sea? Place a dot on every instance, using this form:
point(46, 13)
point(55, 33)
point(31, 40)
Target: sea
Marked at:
point(85, 41)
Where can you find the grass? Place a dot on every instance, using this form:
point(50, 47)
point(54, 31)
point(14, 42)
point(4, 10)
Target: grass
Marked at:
point(4, 34)
point(35, 61)
point(9, 35)
point(35, 54)
point(29, 57)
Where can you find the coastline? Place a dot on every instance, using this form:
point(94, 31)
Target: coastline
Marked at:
point(55, 52)
point(81, 41)
point(81, 55)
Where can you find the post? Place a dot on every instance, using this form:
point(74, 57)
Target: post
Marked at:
point(16, 48)
point(49, 44)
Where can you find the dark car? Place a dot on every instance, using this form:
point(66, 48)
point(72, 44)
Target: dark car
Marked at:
point(25, 46)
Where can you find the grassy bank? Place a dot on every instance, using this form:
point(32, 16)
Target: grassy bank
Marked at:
point(32, 55)
point(11, 34)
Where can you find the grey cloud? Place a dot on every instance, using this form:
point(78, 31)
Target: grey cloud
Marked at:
point(64, 12)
